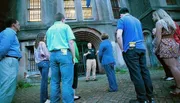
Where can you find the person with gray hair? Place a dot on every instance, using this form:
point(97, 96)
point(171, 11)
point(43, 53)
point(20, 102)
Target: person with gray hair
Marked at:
point(107, 60)
point(60, 43)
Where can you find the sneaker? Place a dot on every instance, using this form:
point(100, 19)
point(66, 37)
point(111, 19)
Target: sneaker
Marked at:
point(47, 101)
point(94, 79)
point(169, 78)
point(77, 97)
point(111, 90)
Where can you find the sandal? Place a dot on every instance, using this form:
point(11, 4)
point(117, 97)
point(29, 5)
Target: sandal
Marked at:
point(175, 92)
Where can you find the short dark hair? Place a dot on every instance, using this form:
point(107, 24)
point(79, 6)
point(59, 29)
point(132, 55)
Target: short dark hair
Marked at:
point(10, 21)
point(124, 11)
point(104, 36)
point(59, 17)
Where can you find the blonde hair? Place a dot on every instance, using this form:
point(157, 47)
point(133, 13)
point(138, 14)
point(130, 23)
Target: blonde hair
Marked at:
point(161, 14)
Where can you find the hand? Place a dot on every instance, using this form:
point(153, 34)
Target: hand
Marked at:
point(154, 50)
point(154, 31)
point(97, 52)
point(122, 50)
point(74, 60)
point(88, 52)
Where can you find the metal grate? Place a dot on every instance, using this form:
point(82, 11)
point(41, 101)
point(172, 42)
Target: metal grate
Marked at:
point(115, 8)
point(31, 60)
point(34, 10)
point(69, 9)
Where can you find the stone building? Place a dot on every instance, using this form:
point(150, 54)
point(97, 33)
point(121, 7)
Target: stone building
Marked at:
point(87, 23)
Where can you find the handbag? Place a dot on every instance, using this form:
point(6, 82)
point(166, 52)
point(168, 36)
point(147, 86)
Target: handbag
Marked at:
point(177, 34)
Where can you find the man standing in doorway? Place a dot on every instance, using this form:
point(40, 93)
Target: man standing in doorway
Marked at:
point(9, 60)
point(131, 41)
point(90, 62)
point(60, 42)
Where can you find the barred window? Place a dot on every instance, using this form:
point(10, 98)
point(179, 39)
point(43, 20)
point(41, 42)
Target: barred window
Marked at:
point(87, 11)
point(34, 10)
point(115, 8)
point(171, 2)
point(69, 8)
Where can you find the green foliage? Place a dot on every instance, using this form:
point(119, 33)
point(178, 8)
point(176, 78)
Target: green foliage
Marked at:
point(120, 70)
point(49, 79)
point(22, 84)
point(156, 68)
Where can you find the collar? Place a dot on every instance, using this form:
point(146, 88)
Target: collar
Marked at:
point(58, 22)
point(10, 29)
point(127, 14)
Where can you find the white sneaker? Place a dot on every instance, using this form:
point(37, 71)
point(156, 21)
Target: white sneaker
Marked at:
point(47, 101)
point(169, 78)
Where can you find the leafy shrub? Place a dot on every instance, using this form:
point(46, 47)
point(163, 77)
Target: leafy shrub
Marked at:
point(22, 84)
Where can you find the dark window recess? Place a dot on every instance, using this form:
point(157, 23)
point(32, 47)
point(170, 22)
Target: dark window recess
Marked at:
point(115, 8)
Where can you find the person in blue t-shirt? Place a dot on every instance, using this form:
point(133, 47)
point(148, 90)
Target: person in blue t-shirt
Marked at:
point(131, 41)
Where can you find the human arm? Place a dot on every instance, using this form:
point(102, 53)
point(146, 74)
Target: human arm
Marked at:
point(85, 54)
point(100, 53)
point(120, 28)
point(158, 36)
point(154, 31)
point(72, 49)
point(44, 49)
point(97, 52)
point(71, 38)
point(119, 38)
point(6, 39)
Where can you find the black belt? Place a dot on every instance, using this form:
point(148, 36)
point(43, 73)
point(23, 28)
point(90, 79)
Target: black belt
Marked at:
point(45, 60)
point(58, 50)
point(13, 57)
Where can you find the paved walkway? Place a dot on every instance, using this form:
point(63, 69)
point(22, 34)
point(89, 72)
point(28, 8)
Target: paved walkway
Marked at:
point(95, 91)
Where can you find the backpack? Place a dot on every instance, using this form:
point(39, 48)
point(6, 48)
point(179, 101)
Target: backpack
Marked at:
point(177, 34)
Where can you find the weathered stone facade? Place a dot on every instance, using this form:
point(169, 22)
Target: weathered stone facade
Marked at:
point(85, 30)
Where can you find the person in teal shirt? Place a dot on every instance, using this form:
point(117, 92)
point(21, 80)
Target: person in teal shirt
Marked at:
point(60, 42)
point(75, 81)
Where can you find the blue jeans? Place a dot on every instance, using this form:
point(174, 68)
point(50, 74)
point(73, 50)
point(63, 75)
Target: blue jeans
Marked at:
point(109, 68)
point(8, 79)
point(43, 67)
point(136, 62)
point(61, 68)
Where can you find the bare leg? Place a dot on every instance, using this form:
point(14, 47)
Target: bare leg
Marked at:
point(172, 64)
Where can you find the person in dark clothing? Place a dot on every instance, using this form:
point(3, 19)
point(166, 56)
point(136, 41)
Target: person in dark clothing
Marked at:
point(90, 62)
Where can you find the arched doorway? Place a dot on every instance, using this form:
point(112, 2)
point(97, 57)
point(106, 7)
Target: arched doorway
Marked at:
point(83, 36)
